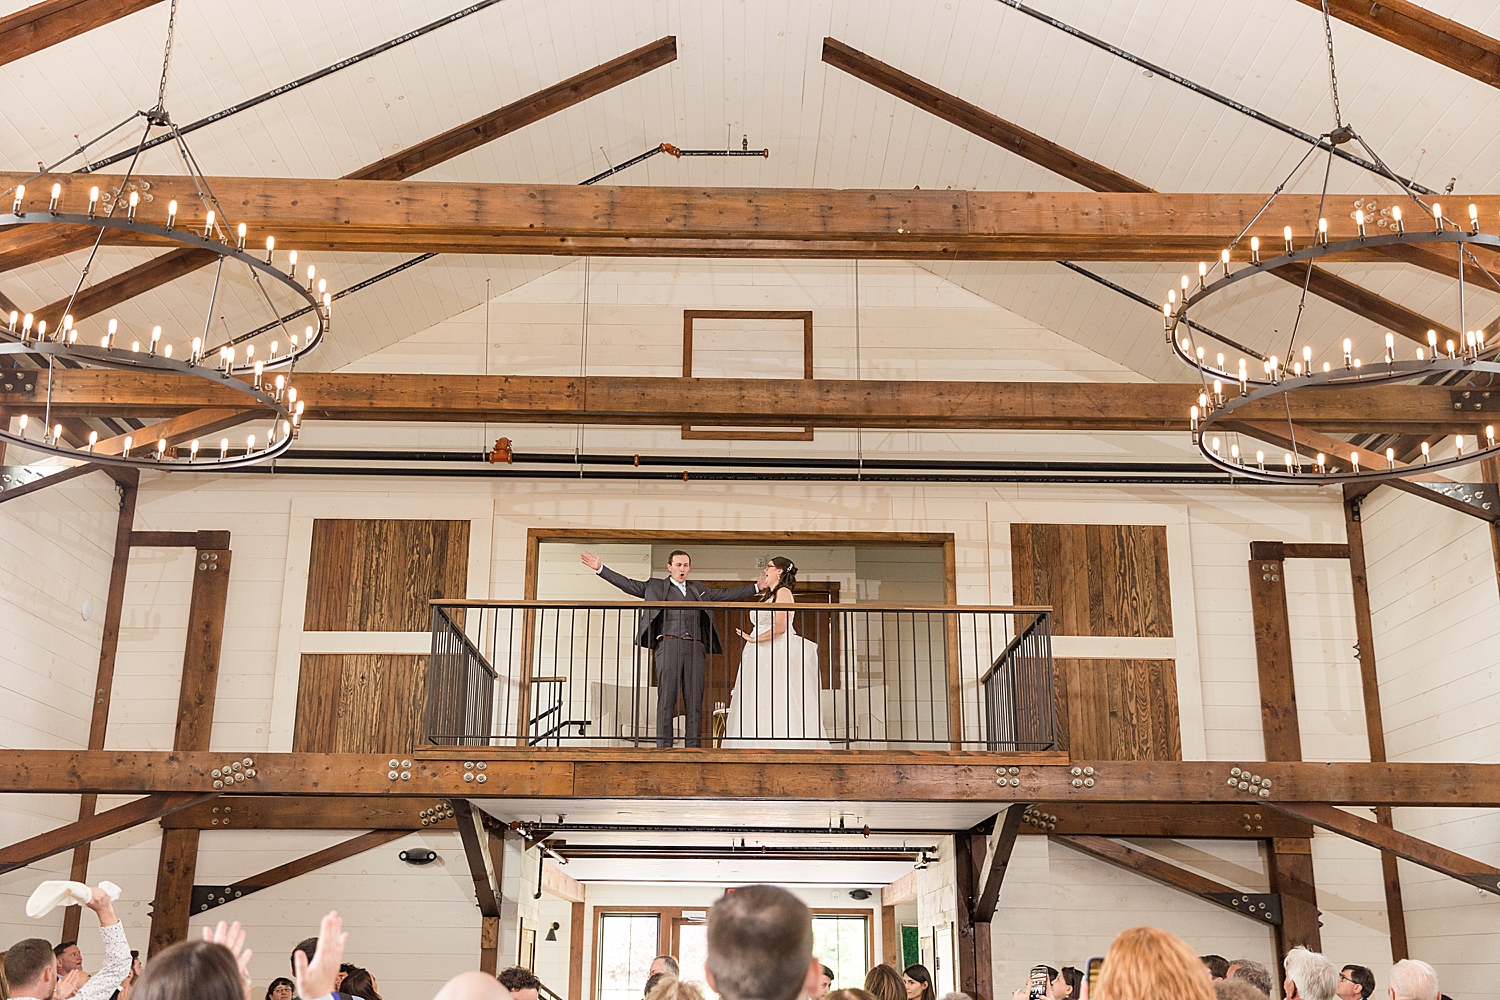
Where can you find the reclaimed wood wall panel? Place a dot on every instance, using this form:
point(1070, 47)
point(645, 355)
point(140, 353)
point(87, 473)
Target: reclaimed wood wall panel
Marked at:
point(1118, 709)
point(318, 691)
point(1100, 579)
point(377, 575)
point(380, 708)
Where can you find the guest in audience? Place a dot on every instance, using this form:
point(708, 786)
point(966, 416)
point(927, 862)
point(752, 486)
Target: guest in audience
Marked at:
point(669, 987)
point(1252, 972)
point(1309, 976)
point(1356, 983)
point(31, 965)
point(1236, 989)
point(281, 988)
point(344, 969)
point(950, 996)
point(472, 986)
point(69, 958)
point(651, 982)
point(360, 983)
point(1144, 963)
point(128, 986)
point(825, 983)
point(917, 983)
point(307, 948)
point(1071, 987)
point(885, 983)
point(522, 984)
point(760, 946)
point(854, 993)
point(663, 964)
point(1217, 965)
point(1410, 980)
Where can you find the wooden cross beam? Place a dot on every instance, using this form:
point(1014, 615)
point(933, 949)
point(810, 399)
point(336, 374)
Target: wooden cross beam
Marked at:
point(1092, 406)
point(90, 828)
point(997, 853)
point(206, 897)
point(1263, 908)
point(1384, 838)
point(312, 215)
point(1429, 35)
point(581, 774)
point(483, 867)
point(45, 24)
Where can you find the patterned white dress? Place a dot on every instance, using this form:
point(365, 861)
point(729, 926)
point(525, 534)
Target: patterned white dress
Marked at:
point(776, 703)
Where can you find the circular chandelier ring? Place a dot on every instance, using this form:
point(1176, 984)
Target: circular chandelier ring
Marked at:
point(1183, 346)
point(283, 415)
point(195, 241)
point(1398, 371)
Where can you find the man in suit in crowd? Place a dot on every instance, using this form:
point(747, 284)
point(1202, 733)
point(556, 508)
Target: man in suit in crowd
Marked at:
point(681, 639)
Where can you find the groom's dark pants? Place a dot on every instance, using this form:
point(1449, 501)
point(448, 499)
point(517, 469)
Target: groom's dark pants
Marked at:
point(679, 667)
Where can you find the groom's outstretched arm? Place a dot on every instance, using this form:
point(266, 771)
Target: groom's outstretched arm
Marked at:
point(744, 593)
point(635, 588)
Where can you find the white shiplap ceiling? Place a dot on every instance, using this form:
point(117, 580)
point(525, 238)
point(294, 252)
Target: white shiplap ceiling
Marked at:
point(753, 68)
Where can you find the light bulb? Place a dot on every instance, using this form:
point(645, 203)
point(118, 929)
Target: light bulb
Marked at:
point(20, 196)
point(241, 233)
point(291, 394)
point(208, 225)
point(1390, 458)
point(1323, 231)
point(1489, 435)
point(1474, 218)
point(56, 433)
point(93, 201)
point(135, 347)
point(57, 193)
point(192, 451)
point(129, 443)
point(1437, 215)
point(135, 199)
point(23, 422)
point(1234, 452)
point(292, 264)
point(1260, 460)
point(197, 349)
point(167, 351)
point(1192, 418)
point(1255, 249)
point(1420, 355)
point(1458, 439)
point(1354, 460)
point(14, 315)
point(223, 447)
point(1322, 461)
point(249, 444)
point(1289, 466)
point(1450, 349)
point(1396, 218)
point(1216, 446)
point(1359, 220)
point(322, 285)
point(1218, 389)
point(311, 271)
point(161, 448)
point(275, 346)
point(1426, 454)
point(1307, 354)
point(1390, 347)
point(1286, 234)
point(171, 213)
point(114, 325)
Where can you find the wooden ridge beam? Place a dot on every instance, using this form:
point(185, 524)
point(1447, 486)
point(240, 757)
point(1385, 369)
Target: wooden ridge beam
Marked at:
point(1424, 32)
point(208, 897)
point(311, 214)
point(41, 25)
point(1095, 406)
point(398, 166)
point(565, 775)
point(997, 853)
point(1384, 838)
point(1263, 908)
point(91, 828)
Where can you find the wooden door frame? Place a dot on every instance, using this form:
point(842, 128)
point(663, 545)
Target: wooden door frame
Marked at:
point(600, 912)
point(853, 911)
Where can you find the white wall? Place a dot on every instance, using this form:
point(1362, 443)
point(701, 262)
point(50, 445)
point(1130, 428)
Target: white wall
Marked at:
point(1434, 603)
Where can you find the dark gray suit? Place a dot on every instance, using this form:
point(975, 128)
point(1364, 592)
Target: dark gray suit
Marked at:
point(680, 639)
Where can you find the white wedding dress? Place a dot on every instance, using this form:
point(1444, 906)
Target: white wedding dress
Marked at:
point(776, 703)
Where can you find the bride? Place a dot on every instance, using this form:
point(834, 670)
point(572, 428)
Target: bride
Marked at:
point(777, 701)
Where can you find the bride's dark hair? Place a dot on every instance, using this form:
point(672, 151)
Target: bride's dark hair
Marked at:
point(788, 576)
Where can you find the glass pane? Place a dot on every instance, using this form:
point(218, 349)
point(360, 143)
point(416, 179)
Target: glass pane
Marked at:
point(841, 942)
point(692, 952)
point(627, 944)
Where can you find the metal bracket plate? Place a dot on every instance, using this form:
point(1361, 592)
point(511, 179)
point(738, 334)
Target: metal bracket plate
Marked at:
point(1479, 499)
point(1260, 905)
point(206, 897)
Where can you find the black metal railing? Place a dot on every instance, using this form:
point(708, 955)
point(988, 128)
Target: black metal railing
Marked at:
point(805, 676)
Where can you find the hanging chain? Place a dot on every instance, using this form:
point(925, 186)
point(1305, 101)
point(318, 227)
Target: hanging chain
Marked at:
point(1333, 77)
point(166, 60)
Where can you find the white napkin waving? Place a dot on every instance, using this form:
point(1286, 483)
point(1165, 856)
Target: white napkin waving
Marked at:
point(60, 892)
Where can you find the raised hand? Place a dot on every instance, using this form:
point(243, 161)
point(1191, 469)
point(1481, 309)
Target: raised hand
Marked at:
point(592, 560)
point(69, 984)
point(319, 977)
point(233, 938)
point(101, 904)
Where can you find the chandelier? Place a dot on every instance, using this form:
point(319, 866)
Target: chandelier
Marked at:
point(1218, 416)
point(256, 366)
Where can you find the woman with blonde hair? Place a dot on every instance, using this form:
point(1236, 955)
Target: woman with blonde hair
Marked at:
point(885, 983)
point(669, 987)
point(1145, 963)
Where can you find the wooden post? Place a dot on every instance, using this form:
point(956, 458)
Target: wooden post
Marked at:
point(109, 645)
point(1291, 867)
point(489, 945)
point(976, 967)
point(195, 716)
point(576, 950)
point(890, 937)
point(1374, 722)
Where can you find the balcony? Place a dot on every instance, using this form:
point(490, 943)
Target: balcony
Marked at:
point(838, 677)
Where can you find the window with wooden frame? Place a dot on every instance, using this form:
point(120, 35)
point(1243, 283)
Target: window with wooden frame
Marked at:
point(746, 343)
point(844, 941)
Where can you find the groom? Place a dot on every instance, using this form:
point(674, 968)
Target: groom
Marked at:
point(680, 637)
